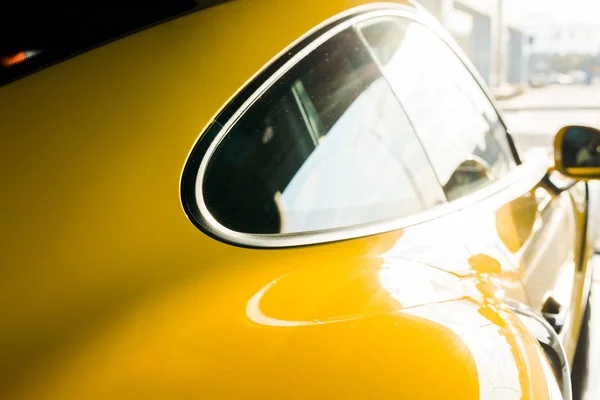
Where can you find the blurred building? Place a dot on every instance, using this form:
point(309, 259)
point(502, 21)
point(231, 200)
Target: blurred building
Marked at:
point(566, 38)
point(513, 41)
point(498, 50)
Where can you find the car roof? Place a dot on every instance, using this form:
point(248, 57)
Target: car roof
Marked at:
point(49, 35)
point(233, 39)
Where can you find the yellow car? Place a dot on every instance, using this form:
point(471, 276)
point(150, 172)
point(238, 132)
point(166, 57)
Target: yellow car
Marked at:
point(273, 199)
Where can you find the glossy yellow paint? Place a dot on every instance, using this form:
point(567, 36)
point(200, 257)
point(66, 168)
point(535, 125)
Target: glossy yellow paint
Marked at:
point(110, 292)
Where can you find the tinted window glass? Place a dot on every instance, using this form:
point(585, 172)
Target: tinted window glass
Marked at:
point(327, 146)
point(452, 116)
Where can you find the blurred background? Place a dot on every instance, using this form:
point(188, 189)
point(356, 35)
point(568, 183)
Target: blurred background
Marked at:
point(541, 59)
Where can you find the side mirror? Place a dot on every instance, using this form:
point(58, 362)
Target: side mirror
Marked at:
point(577, 152)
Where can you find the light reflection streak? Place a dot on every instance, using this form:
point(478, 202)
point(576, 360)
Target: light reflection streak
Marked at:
point(254, 313)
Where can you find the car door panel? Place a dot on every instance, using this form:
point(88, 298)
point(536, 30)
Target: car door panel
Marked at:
point(539, 234)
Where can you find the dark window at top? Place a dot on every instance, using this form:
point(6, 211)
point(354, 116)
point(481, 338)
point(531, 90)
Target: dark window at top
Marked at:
point(40, 35)
point(327, 146)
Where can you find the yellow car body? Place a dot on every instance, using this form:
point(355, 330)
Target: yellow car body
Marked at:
point(110, 291)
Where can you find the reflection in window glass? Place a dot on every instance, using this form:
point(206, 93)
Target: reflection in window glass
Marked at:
point(580, 148)
point(452, 116)
point(327, 146)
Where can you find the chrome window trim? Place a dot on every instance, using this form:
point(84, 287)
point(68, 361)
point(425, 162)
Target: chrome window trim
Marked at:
point(207, 223)
point(550, 342)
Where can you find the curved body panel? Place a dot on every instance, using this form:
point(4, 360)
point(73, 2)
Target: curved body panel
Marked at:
point(111, 292)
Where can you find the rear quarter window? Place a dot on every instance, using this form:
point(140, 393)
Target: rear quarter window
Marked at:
point(326, 147)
